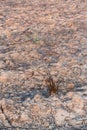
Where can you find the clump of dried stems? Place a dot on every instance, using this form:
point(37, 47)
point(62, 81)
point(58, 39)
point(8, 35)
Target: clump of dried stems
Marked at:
point(52, 86)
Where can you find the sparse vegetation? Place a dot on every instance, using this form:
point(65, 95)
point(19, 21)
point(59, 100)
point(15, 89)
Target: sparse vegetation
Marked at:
point(43, 64)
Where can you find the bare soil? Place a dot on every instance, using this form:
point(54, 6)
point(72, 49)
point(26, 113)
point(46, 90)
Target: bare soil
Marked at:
point(43, 62)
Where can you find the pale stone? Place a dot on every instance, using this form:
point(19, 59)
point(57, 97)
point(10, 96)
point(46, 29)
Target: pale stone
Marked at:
point(70, 94)
point(4, 78)
point(55, 101)
point(70, 86)
point(2, 65)
point(76, 122)
point(2, 116)
point(60, 117)
point(24, 117)
point(76, 105)
point(15, 55)
point(37, 98)
point(45, 111)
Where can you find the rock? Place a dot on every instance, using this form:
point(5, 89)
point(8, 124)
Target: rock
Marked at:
point(4, 77)
point(60, 117)
point(3, 119)
point(55, 101)
point(24, 118)
point(70, 86)
point(76, 104)
point(75, 122)
point(70, 94)
point(2, 64)
point(15, 56)
point(37, 98)
point(40, 110)
point(6, 111)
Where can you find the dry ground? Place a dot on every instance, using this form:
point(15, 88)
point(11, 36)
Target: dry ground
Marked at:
point(36, 38)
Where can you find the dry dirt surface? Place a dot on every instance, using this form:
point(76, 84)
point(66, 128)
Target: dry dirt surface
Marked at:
point(43, 64)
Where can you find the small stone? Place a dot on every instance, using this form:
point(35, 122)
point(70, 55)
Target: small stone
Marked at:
point(70, 86)
point(76, 104)
point(2, 64)
point(46, 124)
point(15, 55)
point(24, 117)
point(76, 122)
point(70, 94)
point(37, 98)
point(3, 78)
point(22, 108)
point(56, 102)
point(60, 117)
